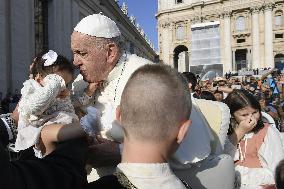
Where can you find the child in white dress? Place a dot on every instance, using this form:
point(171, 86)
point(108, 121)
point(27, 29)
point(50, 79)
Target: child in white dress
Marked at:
point(255, 146)
point(46, 101)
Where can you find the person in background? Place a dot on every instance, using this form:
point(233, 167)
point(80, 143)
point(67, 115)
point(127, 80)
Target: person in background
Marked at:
point(191, 79)
point(5, 103)
point(16, 97)
point(219, 95)
point(268, 108)
point(207, 95)
point(245, 85)
point(192, 83)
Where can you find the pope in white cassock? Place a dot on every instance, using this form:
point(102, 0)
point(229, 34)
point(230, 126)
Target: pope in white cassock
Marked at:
point(104, 71)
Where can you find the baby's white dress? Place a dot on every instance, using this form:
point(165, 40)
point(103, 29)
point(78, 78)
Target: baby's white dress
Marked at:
point(39, 106)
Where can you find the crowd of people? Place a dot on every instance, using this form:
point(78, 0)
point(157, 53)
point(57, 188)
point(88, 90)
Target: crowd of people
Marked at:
point(134, 124)
point(9, 101)
point(268, 89)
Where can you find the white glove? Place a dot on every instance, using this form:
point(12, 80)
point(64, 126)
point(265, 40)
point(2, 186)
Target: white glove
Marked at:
point(90, 122)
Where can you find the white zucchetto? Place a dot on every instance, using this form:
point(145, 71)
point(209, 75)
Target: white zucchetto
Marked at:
point(98, 25)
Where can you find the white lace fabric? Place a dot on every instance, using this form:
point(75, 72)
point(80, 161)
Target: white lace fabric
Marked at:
point(40, 106)
point(36, 98)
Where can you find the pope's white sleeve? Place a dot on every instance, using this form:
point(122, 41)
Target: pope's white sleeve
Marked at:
point(38, 101)
point(230, 148)
point(271, 151)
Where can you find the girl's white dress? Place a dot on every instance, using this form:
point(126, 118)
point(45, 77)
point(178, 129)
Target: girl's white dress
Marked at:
point(39, 106)
point(270, 154)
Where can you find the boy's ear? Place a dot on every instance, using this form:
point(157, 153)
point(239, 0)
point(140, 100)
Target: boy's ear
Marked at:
point(183, 130)
point(118, 114)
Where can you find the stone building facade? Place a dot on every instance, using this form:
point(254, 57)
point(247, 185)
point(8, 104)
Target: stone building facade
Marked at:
point(222, 34)
point(28, 27)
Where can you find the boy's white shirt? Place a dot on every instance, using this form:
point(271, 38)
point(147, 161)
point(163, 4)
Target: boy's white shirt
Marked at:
point(150, 175)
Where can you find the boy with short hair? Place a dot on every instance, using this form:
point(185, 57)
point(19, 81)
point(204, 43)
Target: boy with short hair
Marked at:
point(154, 113)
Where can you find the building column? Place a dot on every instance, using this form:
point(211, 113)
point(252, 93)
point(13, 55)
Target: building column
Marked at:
point(234, 60)
point(255, 38)
point(186, 61)
point(181, 62)
point(249, 62)
point(170, 38)
point(268, 38)
point(171, 60)
point(227, 40)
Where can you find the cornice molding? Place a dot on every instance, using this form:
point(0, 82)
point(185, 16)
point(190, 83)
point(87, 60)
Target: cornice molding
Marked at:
point(268, 6)
point(255, 9)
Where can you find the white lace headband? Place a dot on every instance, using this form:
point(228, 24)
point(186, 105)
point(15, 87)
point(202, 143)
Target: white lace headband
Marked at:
point(50, 57)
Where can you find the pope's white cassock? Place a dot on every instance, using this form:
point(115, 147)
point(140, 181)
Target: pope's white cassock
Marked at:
point(108, 97)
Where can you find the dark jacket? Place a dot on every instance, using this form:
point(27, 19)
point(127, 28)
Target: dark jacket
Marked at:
point(108, 182)
point(64, 168)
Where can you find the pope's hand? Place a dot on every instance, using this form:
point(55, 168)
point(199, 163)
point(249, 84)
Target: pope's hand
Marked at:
point(92, 87)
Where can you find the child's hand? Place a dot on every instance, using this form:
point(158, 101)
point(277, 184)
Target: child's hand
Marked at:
point(63, 94)
point(247, 125)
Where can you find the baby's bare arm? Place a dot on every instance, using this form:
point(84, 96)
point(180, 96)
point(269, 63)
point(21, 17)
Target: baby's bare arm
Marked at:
point(53, 133)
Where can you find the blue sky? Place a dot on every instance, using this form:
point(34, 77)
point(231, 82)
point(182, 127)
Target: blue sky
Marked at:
point(144, 12)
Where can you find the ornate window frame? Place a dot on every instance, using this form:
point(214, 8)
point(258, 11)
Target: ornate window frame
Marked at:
point(278, 12)
point(240, 23)
point(247, 31)
point(177, 25)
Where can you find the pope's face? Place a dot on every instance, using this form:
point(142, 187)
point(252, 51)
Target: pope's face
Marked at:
point(88, 58)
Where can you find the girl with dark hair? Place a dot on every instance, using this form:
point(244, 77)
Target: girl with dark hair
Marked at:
point(45, 101)
point(255, 146)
